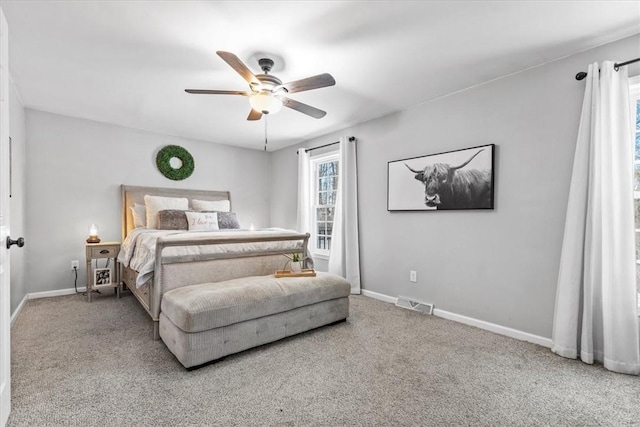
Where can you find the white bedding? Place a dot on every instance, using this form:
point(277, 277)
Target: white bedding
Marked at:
point(139, 248)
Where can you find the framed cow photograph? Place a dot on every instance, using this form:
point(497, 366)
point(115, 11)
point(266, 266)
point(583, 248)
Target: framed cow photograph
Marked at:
point(461, 179)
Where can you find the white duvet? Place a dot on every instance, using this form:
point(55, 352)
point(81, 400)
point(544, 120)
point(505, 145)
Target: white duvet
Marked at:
point(139, 248)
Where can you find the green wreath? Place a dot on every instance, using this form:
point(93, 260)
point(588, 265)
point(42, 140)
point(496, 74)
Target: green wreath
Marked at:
point(163, 161)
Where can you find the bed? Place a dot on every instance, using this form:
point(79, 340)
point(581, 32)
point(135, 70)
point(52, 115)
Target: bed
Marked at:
point(175, 258)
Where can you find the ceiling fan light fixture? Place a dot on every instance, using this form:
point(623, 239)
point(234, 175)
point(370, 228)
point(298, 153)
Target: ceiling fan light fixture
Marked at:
point(265, 103)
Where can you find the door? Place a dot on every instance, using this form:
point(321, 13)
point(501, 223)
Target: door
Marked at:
point(5, 328)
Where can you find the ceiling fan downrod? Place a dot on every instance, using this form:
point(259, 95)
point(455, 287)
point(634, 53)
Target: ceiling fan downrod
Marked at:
point(265, 64)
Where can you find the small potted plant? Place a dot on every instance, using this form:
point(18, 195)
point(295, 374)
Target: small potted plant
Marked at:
point(295, 262)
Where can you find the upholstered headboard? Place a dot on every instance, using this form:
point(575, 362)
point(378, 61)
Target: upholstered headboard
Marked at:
point(132, 194)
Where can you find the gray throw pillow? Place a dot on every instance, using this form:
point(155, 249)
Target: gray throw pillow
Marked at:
point(226, 220)
point(172, 219)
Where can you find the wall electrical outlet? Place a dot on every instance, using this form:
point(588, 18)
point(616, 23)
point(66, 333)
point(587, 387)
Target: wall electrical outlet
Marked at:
point(75, 264)
point(413, 276)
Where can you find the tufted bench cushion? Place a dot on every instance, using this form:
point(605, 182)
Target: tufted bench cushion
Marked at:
point(206, 306)
point(204, 322)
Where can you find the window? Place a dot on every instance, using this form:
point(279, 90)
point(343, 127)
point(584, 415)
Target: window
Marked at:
point(634, 92)
point(324, 178)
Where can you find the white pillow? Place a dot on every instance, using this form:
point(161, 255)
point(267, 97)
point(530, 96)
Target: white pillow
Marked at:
point(155, 204)
point(211, 205)
point(202, 221)
point(139, 213)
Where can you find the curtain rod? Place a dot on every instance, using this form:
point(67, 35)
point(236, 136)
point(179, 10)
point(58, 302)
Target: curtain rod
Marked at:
point(581, 75)
point(306, 150)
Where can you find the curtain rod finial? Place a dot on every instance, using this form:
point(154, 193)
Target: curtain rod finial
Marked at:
point(581, 75)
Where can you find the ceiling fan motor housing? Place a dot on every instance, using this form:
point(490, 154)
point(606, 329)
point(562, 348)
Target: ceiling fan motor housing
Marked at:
point(269, 82)
point(265, 64)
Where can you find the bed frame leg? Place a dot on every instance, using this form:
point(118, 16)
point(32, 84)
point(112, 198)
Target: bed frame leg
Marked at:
point(156, 330)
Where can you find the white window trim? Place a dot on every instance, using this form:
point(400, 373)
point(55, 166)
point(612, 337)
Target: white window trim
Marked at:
point(314, 161)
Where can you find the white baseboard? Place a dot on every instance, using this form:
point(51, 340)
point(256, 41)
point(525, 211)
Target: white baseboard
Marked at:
point(381, 297)
point(46, 294)
point(56, 293)
point(492, 327)
point(18, 309)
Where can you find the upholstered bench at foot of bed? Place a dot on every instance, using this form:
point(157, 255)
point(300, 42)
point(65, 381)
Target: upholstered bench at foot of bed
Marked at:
point(204, 322)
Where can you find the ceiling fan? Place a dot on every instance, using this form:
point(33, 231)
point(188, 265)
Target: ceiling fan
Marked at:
point(267, 94)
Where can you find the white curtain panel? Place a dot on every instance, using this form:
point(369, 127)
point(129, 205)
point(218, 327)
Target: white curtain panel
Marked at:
point(595, 314)
point(304, 191)
point(344, 259)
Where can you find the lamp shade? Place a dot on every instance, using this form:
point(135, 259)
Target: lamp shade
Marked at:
point(93, 234)
point(265, 103)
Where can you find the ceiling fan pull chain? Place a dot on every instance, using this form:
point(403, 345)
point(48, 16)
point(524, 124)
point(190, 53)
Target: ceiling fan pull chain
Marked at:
point(265, 132)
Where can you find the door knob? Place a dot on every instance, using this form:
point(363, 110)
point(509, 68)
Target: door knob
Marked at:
point(19, 242)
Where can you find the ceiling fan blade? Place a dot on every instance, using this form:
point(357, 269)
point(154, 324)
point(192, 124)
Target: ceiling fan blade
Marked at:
point(217, 92)
point(303, 108)
point(315, 82)
point(254, 115)
point(239, 66)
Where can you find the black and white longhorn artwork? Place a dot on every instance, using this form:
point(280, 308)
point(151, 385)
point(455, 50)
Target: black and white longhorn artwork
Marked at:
point(461, 179)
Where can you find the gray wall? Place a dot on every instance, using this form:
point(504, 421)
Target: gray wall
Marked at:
point(499, 266)
point(76, 167)
point(17, 202)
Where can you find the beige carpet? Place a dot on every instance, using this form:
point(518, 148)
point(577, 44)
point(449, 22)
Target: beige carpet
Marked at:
point(81, 364)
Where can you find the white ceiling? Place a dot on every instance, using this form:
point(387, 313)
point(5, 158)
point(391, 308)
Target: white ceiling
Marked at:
point(128, 62)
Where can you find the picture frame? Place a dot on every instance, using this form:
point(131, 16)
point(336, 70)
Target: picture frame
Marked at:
point(102, 277)
point(453, 180)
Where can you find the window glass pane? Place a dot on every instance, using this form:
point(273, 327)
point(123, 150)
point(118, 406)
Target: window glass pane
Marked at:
point(322, 169)
point(322, 198)
point(321, 214)
point(328, 182)
point(329, 243)
point(330, 169)
point(329, 226)
point(329, 214)
point(638, 115)
point(321, 243)
point(331, 198)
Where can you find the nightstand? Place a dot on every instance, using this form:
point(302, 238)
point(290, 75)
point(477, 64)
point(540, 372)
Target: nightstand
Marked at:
point(102, 278)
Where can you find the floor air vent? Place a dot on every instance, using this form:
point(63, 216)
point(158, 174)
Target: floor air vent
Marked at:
point(414, 305)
